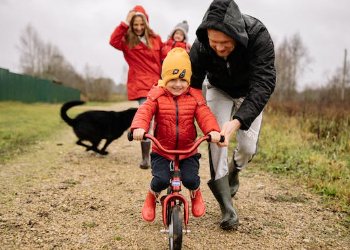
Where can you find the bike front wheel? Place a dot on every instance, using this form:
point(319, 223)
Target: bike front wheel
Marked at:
point(175, 228)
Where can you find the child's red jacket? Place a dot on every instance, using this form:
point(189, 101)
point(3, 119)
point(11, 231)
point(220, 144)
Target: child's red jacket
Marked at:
point(174, 125)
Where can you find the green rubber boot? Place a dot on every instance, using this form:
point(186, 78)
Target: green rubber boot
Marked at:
point(221, 190)
point(233, 178)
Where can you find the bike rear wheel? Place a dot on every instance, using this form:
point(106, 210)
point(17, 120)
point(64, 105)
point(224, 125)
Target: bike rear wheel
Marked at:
point(175, 228)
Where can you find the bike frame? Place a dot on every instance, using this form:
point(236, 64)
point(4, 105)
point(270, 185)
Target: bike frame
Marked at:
point(172, 202)
point(175, 183)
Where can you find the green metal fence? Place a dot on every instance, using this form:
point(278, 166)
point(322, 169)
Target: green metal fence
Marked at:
point(25, 88)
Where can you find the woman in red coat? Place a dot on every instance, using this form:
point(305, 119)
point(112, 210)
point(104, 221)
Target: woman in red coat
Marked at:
point(142, 49)
point(176, 106)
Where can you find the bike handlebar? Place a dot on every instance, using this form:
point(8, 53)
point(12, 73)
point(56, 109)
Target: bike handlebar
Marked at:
point(172, 151)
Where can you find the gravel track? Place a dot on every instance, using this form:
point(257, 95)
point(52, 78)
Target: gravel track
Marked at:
point(58, 196)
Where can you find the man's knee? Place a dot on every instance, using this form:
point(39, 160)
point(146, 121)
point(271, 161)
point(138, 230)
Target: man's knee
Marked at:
point(247, 149)
point(243, 156)
point(249, 153)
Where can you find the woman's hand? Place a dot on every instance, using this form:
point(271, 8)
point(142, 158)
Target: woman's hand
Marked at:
point(215, 136)
point(130, 16)
point(138, 134)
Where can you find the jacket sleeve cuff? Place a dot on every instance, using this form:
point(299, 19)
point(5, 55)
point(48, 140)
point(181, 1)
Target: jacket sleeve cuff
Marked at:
point(243, 126)
point(125, 23)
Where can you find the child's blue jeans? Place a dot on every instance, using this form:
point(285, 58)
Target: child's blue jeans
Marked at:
point(189, 168)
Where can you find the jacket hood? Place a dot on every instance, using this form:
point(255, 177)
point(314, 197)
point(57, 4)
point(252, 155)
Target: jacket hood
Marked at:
point(224, 16)
point(139, 10)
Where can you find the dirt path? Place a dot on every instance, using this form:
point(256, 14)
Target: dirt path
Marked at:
point(61, 197)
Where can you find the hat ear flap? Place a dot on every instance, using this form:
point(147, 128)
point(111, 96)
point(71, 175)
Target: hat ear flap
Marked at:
point(161, 83)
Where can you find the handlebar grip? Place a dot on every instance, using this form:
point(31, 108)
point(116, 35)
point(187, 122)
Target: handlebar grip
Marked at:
point(222, 138)
point(130, 136)
point(209, 139)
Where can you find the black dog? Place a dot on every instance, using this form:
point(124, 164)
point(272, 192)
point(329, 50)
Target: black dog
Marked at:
point(93, 126)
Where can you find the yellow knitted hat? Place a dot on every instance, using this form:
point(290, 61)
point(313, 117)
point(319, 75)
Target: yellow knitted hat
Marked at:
point(176, 65)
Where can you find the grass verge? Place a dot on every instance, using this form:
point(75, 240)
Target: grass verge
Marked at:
point(23, 125)
point(286, 148)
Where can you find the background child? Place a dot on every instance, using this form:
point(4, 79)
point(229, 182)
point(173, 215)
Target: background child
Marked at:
point(177, 38)
point(175, 105)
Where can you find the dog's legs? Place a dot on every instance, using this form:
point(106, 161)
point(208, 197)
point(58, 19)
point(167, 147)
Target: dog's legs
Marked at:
point(94, 147)
point(106, 145)
point(79, 142)
point(99, 151)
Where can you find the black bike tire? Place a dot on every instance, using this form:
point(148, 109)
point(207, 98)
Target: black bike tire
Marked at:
point(175, 228)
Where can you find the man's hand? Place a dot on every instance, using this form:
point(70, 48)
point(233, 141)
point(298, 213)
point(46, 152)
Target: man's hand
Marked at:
point(138, 134)
point(228, 130)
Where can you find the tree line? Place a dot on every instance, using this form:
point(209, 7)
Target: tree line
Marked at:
point(292, 59)
point(45, 60)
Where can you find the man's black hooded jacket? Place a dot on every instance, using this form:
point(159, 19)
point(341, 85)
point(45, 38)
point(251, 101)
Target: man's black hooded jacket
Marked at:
point(249, 71)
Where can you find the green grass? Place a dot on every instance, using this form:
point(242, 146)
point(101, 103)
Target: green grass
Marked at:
point(23, 125)
point(286, 148)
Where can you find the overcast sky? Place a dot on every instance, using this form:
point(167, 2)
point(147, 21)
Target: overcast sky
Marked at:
point(81, 28)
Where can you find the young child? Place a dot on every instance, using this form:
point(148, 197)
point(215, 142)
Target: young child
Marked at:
point(177, 38)
point(175, 105)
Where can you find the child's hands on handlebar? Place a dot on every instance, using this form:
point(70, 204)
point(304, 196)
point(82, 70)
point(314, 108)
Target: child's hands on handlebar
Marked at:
point(215, 136)
point(138, 134)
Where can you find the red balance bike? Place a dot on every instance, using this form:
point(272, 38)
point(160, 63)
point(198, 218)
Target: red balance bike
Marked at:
point(175, 208)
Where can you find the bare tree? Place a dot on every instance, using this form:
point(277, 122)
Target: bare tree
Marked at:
point(344, 76)
point(38, 58)
point(338, 87)
point(45, 60)
point(98, 88)
point(30, 47)
point(291, 60)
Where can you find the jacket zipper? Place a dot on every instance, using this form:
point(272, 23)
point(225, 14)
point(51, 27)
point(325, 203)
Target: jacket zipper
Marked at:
point(228, 66)
point(177, 123)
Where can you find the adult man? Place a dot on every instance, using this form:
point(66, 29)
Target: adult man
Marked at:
point(236, 53)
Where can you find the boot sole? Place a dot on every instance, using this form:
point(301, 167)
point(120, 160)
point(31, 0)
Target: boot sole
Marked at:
point(229, 226)
point(144, 167)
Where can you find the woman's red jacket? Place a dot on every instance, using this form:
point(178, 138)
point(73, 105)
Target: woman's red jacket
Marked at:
point(144, 64)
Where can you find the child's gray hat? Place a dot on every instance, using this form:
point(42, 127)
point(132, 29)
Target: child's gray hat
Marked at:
point(183, 27)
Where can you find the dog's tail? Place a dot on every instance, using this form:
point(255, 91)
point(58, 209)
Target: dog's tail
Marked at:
point(65, 108)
